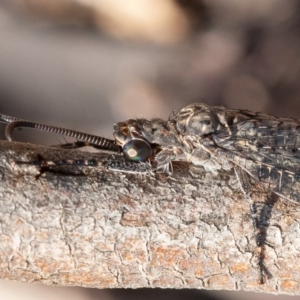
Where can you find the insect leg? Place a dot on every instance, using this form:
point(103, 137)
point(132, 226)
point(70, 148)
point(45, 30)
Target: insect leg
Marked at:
point(40, 161)
point(57, 166)
point(72, 167)
point(260, 215)
point(77, 145)
point(130, 167)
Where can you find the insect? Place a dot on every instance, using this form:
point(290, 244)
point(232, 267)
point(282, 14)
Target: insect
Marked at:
point(255, 145)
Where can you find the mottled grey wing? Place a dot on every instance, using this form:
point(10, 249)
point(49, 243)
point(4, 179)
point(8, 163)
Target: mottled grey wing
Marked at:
point(268, 148)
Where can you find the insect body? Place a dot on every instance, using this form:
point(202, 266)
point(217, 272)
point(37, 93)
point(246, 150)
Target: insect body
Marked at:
point(262, 146)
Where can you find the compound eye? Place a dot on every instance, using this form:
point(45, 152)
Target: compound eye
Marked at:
point(137, 150)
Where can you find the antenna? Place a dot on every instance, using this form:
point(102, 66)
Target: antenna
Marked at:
point(93, 140)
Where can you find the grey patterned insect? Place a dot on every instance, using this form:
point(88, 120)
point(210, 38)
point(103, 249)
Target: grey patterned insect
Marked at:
point(261, 145)
point(256, 145)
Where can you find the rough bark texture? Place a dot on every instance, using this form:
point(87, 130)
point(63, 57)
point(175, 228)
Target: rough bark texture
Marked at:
point(106, 229)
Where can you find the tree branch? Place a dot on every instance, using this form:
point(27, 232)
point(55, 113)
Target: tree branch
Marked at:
point(106, 229)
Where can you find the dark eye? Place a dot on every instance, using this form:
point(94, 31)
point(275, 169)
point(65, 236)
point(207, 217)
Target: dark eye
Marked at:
point(137, 150)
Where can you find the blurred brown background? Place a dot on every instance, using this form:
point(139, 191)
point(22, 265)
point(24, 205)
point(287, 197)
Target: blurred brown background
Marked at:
point(87, 64)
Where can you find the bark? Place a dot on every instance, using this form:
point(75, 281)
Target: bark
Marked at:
point(93, 227)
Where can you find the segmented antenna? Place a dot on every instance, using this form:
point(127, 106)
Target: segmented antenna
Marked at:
point(94, 140)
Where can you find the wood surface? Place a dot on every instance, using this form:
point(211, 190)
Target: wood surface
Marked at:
point(94, 227)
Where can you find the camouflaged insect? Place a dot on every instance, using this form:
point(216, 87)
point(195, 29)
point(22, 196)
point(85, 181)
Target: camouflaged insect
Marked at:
point(258, 145)
point(264, 146)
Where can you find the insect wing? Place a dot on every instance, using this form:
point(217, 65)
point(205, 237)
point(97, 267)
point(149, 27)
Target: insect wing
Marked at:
point(267, 149)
